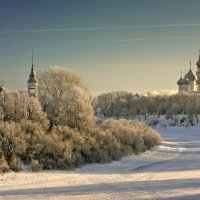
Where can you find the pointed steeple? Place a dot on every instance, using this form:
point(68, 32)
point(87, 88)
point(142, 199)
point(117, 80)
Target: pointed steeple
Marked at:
point(190, 64)
point(32, 81)
point(32, 76)
point(32, 59)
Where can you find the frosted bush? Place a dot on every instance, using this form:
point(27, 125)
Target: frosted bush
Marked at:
point(133, 136)
point(35, 165)
point(15, 163)
point(115, 138)
point(3, 163)
point(64, 147)
point(13, 144)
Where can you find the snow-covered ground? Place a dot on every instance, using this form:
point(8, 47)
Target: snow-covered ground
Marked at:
point(170, 171)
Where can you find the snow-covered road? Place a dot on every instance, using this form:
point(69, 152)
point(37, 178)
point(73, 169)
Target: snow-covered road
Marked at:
point(170, 171)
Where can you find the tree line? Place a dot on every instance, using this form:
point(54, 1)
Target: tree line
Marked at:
point(125, 104)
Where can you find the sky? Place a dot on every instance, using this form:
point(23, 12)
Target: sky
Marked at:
point(130, 45)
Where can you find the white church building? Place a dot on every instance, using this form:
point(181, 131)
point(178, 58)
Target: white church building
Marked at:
point(190, 82)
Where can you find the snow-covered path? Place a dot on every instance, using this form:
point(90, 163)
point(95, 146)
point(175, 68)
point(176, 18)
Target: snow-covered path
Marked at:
point(171, 171)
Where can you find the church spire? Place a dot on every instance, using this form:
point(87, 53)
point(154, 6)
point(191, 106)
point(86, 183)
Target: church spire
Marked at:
point(190, 64)
point(32, 59)
point(32, 81)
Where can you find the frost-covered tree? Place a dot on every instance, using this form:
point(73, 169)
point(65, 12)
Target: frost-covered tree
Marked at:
point(65, 98)
point(56, 81)
point(35, 113)
point(118, 104)
point(77, 111)
point(17, 106)
point(123, 104)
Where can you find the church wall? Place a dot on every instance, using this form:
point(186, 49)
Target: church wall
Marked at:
point(184, 88)
point(191, 86)
point(198, 88)
point(180, 88)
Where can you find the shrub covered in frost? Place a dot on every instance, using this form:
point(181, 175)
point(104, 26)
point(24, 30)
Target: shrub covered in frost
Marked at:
point(65, 147)
point(13, 144)
point(132, 135)
point(35, 165)
point(3, 163)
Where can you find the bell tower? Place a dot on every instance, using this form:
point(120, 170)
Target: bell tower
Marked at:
point(32, 81)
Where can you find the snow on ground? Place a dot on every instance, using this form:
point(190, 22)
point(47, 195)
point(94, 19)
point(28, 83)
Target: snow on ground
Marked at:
point(170, 171)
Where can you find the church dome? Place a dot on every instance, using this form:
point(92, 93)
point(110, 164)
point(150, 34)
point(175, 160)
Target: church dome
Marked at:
point(185, 81)
point(190, 75)
point(179, 82)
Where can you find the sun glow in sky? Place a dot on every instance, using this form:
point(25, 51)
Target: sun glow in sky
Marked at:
point(133, 45)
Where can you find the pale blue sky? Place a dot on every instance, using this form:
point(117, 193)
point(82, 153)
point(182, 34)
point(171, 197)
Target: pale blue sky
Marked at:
point(134, 45)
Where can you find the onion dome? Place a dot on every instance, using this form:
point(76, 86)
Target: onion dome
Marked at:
point(179, 82)
point(190, 75)
point(185, 81)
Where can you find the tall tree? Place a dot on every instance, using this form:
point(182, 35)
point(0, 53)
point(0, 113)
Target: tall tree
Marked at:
point(65, 98)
